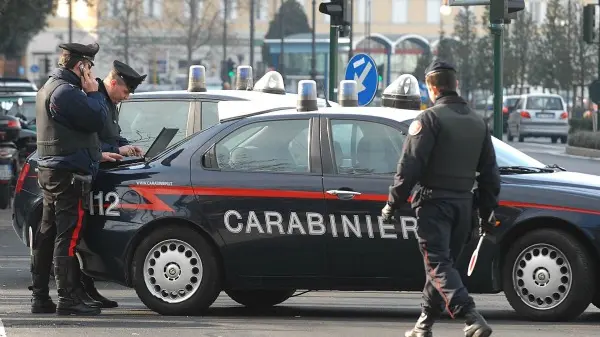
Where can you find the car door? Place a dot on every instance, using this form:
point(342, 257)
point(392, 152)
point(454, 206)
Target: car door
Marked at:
point(263, 194)
point(360, 157)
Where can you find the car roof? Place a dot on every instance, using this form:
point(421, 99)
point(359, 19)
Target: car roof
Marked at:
point(219, 95)
point(233, 110)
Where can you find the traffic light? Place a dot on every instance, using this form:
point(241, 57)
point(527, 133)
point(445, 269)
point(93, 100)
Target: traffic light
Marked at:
point(589, 23)
point(230, 68)
point(339, 10)
point(380, 74)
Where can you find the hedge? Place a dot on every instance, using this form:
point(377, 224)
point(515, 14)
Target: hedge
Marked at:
point(586, 139)
point(580, 124)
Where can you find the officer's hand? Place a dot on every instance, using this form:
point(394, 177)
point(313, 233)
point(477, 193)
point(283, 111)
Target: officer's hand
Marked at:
point(387, 213)
point(130, 150)
point(138, 150)
point(488, 222)
point(110, 156)
point(88, 82)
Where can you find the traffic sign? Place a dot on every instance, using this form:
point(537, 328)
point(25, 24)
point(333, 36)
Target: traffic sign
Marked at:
point(362, 69)
point(594, 90)
point(34, 68)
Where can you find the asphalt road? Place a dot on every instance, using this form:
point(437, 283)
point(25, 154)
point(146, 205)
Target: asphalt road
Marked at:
point(546, 152)
point(313, 314)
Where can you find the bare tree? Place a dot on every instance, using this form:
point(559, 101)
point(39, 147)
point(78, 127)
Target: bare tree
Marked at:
point(121, 22)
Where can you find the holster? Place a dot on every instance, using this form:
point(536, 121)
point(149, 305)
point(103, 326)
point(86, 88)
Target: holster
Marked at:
point(84, 183)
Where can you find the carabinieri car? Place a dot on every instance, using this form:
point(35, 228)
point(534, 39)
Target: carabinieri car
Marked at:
point(270, 200)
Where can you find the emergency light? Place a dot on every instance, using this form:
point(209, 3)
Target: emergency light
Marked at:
point(307, 96)
point(271, 82)
point(244, 79)
point(197, 79)
point(348, 93)
point(403, 93)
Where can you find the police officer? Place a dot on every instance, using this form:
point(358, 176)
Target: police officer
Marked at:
point(120, 82)
point(69, 112)
point(447, 145)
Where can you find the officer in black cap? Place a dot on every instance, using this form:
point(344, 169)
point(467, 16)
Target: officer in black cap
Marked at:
point(117, 86)
point(447, 145)
point(69, 113)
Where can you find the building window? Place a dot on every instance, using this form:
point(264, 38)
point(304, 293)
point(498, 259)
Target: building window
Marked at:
point(232, 6)
point(114, 7)
point(189, 6)
point(433, 11)
point(153, 8)
point(399, 10)
point(261, 10)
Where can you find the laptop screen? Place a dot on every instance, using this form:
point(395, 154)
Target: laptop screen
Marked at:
point(161, 142)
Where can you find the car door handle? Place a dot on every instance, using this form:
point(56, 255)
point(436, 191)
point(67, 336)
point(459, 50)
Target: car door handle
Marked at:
point(345, 195)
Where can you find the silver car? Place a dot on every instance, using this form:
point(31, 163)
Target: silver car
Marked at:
point(538, 115)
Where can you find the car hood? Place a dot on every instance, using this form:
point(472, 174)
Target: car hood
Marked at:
point(572, 181)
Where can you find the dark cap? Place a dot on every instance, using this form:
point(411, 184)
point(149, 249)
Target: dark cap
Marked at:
point(87, 52)
point(131, 77)
point(438, 65)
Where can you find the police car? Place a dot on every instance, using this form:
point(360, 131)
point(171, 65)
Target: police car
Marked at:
point(273, 199)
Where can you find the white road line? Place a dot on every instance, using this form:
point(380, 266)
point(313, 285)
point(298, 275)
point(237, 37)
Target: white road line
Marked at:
point(2, 331)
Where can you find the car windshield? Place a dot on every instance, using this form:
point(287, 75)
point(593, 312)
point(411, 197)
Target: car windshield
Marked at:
point(507, 156)
point(544, 103)
point(9, 106)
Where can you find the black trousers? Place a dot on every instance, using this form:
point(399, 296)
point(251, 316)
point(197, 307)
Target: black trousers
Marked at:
point(444, 226)
point(62, 215)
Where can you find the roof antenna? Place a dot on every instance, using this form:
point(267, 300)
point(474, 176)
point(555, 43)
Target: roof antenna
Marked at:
point(325, 95)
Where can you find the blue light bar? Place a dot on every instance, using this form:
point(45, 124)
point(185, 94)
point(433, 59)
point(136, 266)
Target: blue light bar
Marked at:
point(197, 79)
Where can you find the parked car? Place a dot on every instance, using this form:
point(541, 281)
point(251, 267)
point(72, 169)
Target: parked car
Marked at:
point(539, 115)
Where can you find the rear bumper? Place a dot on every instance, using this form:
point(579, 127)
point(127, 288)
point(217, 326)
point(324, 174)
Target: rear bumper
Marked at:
point(543, 129)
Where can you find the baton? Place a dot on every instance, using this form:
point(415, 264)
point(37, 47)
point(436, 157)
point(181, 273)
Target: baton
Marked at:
point(474, 256)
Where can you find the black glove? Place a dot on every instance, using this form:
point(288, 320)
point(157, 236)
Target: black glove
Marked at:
point(488, 223)
point(387, 213)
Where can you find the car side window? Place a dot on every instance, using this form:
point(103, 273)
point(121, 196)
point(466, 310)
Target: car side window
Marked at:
point(365, 148)
point(271, 146)
point(141, 121)
point(210, 115)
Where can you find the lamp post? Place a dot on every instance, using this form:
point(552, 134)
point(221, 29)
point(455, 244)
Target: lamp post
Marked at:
point(281, 43)
point(313, 60)
point(70, 21)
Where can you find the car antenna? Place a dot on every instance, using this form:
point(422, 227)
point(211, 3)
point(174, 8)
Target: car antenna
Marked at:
point(325, 95)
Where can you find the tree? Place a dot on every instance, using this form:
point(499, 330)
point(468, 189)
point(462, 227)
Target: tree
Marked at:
point(198, 26)
point(483, 73)
point(20, 21)
point(422, 64)
point(552, 67)
point(585, 56)
point(510, 55)
point(294, 22)
point(121, 22)
point(523, 32)
point(464, 29)
point(445, 48)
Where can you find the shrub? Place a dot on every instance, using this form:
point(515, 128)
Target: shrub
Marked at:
point(580, 124)
point(587, 139)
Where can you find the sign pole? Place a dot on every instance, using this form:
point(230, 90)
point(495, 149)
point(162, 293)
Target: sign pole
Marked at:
point(333, 58)
point(497, 31)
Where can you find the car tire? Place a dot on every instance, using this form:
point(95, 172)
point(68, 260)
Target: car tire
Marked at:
point(260, 299)
point(559, 253)
point(189, 280)
point(563, 139)
point(554, 139)
point(509, 135)
point(5, 195)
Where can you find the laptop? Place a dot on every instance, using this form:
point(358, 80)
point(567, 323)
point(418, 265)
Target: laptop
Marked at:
point(160, 143)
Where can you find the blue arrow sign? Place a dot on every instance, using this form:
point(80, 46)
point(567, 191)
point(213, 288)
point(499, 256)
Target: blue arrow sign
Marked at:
point(34, 68)
point(362, 69)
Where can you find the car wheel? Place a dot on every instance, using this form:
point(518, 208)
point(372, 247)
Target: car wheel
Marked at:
point(509, 135)
point(546, 276)
point(260, 298)
point(563, 139)
point(554, 140)
point(176, 271)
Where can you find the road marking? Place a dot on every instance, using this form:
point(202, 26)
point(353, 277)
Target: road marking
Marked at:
point(2, 331)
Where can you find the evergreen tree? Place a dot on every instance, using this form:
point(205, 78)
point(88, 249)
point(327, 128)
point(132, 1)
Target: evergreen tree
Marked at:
point(584, 56)
point(422, 63)
point(445, 48)
point(483, 74)
point(464, 29)
point(523, 31)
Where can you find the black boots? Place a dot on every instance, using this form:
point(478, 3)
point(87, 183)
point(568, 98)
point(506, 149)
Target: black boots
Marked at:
point(423, 326)
point(67, 283)
point(475, 325)
point(41, 303)
point(90, 289)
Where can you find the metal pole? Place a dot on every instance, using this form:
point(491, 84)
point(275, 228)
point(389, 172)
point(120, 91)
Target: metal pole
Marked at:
point(351, 35)
point(599, 48)
point(281, 42)
point(497, 31)
point(333, 64)
point(225, 5)
point(70, 21)
point(313, 60)
point(252, 13)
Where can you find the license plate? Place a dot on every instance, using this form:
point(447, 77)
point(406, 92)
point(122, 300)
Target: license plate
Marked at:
point(545, 115)
point(5, 172)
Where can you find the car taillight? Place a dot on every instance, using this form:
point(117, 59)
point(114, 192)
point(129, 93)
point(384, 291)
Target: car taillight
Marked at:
point(22, 176)
point(525, 114)
point(564, 115)
point(504, 110)
point(14, 124)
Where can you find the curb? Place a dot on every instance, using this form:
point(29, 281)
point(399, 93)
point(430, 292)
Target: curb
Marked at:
point(582, 151)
